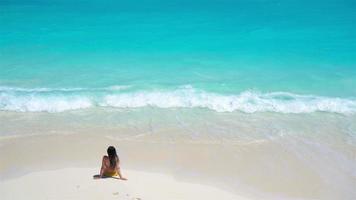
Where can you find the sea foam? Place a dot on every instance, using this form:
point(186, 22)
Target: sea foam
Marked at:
point(58, 100)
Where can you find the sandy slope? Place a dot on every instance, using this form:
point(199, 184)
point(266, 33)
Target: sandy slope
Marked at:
point(78, 183)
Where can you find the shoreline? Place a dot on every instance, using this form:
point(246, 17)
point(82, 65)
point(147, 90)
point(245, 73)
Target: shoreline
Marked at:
point(261, 170)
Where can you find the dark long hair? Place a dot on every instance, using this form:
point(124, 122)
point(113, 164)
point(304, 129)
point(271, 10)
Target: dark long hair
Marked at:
point(112, 156)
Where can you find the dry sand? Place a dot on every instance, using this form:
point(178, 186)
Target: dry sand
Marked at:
point(78, 183)
point(63, 166)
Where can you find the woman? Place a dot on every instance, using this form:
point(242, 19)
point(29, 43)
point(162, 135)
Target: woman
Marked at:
point(110, 166)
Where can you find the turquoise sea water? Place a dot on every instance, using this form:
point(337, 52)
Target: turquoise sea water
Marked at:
point(266, 55)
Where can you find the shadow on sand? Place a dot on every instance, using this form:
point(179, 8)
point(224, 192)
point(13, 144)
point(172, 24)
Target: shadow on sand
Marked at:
point(97, 176)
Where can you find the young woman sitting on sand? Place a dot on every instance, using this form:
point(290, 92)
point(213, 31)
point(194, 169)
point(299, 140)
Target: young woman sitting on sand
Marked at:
point(110, 166)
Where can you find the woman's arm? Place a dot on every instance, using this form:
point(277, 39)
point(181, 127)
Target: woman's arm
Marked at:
point(119, 171)
point(102, 170)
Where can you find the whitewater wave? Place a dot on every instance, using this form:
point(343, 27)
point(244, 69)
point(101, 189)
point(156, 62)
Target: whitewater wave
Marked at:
point(42, 100)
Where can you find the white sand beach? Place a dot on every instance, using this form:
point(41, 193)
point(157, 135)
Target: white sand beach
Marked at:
point(78, 183)
point(57, 159)
point(64, 167)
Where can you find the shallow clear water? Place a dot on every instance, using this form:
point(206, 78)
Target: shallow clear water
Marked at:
point(224, 47)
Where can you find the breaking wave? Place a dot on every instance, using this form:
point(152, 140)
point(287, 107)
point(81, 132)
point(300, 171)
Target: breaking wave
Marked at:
point(64, 99)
